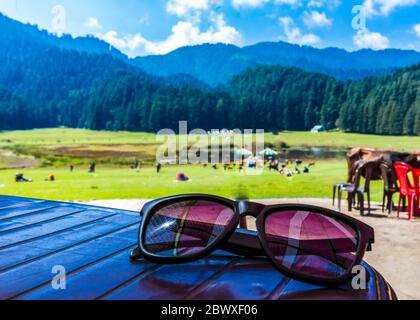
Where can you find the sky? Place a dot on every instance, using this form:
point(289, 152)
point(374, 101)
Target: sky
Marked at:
point(147, 27)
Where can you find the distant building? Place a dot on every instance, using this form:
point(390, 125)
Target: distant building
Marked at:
point(317, 129)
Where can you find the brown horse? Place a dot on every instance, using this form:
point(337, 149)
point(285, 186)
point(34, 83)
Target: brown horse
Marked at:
point(379, 156)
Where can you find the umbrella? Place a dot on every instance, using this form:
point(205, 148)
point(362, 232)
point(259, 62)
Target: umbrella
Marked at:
point(244, 152)
point(268, 153)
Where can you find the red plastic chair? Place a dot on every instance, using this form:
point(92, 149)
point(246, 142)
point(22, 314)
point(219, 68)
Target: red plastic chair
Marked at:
point(406, 189)
point(416, 173)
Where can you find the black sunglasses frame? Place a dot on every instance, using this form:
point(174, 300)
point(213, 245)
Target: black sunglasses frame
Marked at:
point(247, 243)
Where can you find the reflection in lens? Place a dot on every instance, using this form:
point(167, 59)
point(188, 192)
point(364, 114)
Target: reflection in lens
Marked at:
point(186, 228)
point(312, 244)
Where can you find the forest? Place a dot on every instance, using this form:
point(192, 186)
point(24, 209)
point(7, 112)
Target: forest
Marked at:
point(43, 85)
point(270, 97)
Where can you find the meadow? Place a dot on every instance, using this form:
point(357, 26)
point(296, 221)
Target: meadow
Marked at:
point(38, 154)
point(336, 139)
point(124, 183)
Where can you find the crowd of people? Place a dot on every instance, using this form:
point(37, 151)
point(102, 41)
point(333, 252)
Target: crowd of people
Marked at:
point(283, 167)
point(289, 168)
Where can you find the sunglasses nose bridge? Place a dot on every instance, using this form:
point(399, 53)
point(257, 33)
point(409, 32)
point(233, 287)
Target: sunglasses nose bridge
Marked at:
point(247, 208)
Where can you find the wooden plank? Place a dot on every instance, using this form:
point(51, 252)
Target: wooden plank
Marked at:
point(41, 230)
point(43, 216)
point(39, 248)
point(173, 282)
point(247, 280)
point(97, 280)
point(20, 207)
point(23, 279)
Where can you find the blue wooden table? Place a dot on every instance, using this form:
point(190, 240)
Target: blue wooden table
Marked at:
point(93, 245)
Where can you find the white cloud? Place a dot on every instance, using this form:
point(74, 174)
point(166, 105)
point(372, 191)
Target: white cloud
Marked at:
point(315, 4)
point(294, 35)
point(239, 4)
point(127, 43)
point(330, 4)
point(93, 23)
point(183, 7)
point(184, 33)
point(248, 3)
point(293, 3)
point(385, 7)
point(416, 29)
point(314, 19)
point(364, 39)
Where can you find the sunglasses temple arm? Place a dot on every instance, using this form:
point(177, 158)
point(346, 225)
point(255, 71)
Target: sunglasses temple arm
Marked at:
point(244, 244)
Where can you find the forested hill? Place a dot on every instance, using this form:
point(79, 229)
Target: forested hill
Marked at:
point(387, 105)
point(15, 112)
point(28, 36)
point(39, 72)
point(49, 85)
point(219, 63)
point(272, 98)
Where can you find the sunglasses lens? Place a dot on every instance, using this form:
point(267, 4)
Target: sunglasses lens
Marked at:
point(186, 228)
point(311, 244)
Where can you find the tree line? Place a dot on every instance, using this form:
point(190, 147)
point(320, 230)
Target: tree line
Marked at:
point(54, 87)
point(270, 98)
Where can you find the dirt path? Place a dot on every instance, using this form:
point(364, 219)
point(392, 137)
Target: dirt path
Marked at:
point(396, 253)
point(9, 160)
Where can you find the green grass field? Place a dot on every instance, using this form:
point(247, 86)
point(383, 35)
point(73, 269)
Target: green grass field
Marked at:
point(120, 183)
point(66, 137)
point(346, 140)
point(49, 151)
point(73, 137)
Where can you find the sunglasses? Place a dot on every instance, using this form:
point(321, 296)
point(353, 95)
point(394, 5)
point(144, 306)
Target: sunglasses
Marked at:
point(307, 243)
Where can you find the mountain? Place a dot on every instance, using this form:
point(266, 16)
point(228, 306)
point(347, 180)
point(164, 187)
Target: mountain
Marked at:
point(43, 68)
point(215, 64)
point(209, 63)
point(17, 32)
point(45, 83)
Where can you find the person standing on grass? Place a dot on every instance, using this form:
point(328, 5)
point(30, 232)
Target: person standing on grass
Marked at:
point(158, 167)
point(92, 168)
point(71, 168)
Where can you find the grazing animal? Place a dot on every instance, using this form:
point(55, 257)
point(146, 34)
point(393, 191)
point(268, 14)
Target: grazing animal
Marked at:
point(379, 156)
point(274, 165)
